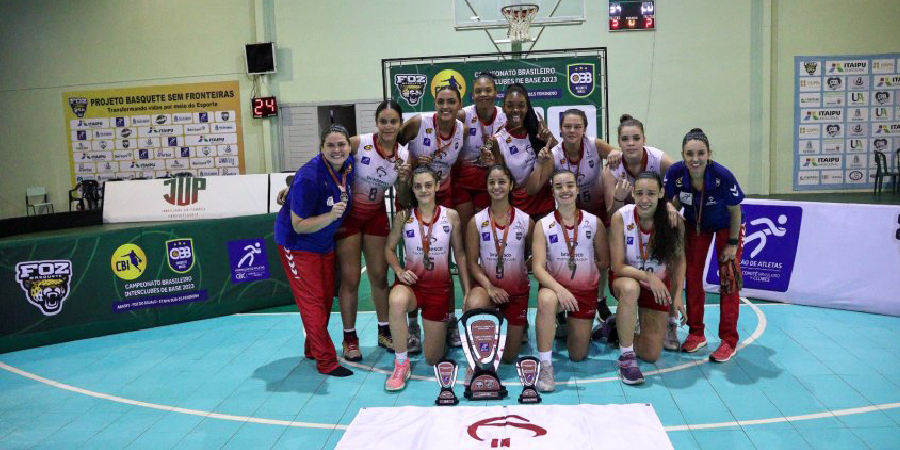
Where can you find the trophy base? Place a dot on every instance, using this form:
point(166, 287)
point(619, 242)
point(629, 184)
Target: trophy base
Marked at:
point(529, 396)
point(485, 386)
point(446, 398)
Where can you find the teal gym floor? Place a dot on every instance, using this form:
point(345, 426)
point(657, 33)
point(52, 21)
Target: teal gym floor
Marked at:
point(806, 378)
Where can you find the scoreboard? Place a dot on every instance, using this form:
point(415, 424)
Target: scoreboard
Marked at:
point(632, 15)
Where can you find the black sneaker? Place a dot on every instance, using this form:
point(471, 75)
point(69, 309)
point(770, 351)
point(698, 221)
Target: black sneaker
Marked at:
point(562, 326)
point(603, 311)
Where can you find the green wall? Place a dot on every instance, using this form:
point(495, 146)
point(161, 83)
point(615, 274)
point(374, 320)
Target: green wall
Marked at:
point(725, 66)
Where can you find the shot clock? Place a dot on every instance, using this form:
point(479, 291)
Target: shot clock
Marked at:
point(264, 107)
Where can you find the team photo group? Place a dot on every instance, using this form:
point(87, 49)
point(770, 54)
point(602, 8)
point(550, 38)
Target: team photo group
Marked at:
point(496, 189)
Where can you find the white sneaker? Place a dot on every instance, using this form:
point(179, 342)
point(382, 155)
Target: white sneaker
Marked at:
point(414, 340)
point(453, 333)
point(671, 343)
point(545, 382)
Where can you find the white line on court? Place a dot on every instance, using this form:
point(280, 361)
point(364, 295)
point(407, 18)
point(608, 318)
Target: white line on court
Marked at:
point(326, 426)
point(760, 328)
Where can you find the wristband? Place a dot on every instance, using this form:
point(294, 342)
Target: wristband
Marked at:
point(732, 241)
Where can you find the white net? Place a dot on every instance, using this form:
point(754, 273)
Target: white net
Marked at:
point(520, 18)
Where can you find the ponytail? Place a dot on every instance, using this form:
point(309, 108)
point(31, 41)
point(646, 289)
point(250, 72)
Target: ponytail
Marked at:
point(666, 241)
point(531, 122)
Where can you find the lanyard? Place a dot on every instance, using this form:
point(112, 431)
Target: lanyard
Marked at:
point(395, 158)
point(644, 250)
point(501, 248)
point(437, 137)
point(570, 243)
point(426, 239)
point(698, 209)
point(342, 185)
point(569, 162)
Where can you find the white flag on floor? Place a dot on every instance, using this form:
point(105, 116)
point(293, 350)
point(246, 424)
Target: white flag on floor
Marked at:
point(607, 427)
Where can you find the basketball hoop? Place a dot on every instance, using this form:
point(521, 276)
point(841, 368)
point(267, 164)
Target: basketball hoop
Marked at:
point(520, 18)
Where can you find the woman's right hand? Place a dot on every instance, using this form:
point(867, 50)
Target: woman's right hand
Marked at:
point(497, 295)
point(407, 277)
point(659, 289)
point(282, 196)
point(424, 160)
point(337, 211)
point(623, 189)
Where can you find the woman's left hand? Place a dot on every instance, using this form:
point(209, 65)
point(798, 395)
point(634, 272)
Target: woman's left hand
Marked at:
point(728, 253)
point(673, 214)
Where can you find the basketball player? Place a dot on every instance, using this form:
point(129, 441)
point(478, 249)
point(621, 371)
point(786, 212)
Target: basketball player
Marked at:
point(428, 232)
point(568, 252)
point(647, 258)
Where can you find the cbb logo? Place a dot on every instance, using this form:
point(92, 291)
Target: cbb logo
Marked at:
point(582, 77)
point(128, 261)
point(448, 77)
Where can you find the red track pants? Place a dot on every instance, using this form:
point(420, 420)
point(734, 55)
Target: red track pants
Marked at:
point(311, 276)
point(695, 251)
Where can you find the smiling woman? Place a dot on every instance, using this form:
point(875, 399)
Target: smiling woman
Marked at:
point(304, 230)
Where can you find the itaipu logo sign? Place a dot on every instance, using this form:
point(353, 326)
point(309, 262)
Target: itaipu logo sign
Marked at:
point(184, 191)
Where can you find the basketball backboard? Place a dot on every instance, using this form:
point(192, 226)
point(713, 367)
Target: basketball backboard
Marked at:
point(486, 14)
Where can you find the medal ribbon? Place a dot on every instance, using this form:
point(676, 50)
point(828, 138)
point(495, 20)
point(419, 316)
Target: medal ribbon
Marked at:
point(426, 239)
point(437, 137)
point(570, 243)
point(501, 249)
point(569, 162)
point(342, 185)
point(643, 249)
point(698, 209)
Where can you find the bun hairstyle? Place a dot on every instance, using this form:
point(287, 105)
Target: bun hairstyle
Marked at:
point(575, 112)
point(333, 129)
point(448, 87)
point(696, 134)
point(626, 120)
point(665, 243)
point(389, 103)
point(531, 122)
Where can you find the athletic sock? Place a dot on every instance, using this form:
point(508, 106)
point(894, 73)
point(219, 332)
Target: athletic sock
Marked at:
point(384, 324)
point(384, 330)
point(340, 372)
point(401, 357)
point(625, 350)
point(350, 330)
point(546, 358)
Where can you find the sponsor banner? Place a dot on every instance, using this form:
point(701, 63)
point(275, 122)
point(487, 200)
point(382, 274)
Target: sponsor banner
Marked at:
point(153, 117)
point(184, 198)
point(248, 260)
point(554, 85)
point(632, 426)
point(853, 102)
point(836, 275)
point(46, 283)
point(156, 301)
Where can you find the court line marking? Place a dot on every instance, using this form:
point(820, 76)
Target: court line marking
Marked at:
point(327, 426)
point(761, 323)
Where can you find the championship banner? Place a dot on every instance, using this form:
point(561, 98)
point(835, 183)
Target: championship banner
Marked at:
point(154, 131)
point(847, 108)
point(185, 198)
point(554, 85)
point(819, 254)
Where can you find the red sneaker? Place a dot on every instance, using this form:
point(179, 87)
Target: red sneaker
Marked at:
point(693, 343)
point(723, 353)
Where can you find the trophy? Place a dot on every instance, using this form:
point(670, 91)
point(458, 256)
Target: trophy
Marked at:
point(483, 335)
point(528, 367)
point(445, 371)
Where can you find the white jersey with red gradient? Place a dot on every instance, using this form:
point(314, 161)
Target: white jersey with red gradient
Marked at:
point(374, 172)
point(439, 252)
point(515, 275)
point(444, 152)
point(650, 162)
point(587, 172)
point(518, 154)
point(479, 132)
point(635, 237)
point(587, 275)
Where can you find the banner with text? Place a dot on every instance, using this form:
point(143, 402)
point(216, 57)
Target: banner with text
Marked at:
point(847, 110)
point(154, 131)
point(820, 254)
point(554, 85)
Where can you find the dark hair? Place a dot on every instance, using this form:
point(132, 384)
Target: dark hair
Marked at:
point(420, 169)
point(491, 77)
point(696, 134)
point(531, 122)
point(626, 120)
point(448, 87)
point(666, 240)
point(333, 129)
point(574, 112)
point(503, 168)
point(389, 103)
